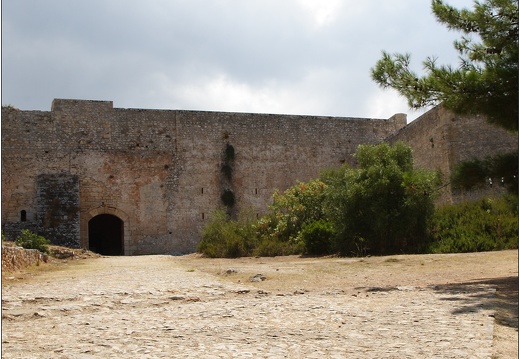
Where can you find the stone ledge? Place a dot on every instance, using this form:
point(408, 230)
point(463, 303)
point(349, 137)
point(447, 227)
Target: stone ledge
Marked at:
point(15, 258)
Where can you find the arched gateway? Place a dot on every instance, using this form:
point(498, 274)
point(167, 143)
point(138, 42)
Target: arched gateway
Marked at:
point(105, 230)
point(106, 235)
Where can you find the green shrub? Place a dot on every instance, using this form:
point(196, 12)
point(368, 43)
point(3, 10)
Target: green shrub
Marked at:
point(484, 225)
point(30, 240)
point(269, 247)
point(502, 170)
point(384, 205)
point(225, 238)
point(317, 237)
point(290, 211)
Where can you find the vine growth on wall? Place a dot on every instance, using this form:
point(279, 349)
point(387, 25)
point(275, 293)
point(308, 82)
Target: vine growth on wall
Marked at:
point(226, 169)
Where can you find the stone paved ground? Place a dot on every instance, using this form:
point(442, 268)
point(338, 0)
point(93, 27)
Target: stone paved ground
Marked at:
point(158, 307)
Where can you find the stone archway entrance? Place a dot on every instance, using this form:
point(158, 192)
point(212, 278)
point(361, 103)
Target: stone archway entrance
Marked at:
point(106, 235)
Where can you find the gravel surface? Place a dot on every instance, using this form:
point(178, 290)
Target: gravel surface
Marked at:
point(189, 307)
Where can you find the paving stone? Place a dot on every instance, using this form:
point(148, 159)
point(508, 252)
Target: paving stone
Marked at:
point(135, 318)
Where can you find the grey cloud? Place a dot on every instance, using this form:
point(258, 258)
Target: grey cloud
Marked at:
point(143, 54)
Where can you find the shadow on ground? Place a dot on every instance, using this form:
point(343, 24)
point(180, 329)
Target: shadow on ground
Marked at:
point(498, 294)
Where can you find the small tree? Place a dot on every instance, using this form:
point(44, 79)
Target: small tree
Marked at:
point(384, 205)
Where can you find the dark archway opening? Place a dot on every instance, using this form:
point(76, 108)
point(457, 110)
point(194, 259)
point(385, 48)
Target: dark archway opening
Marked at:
point(105, 235)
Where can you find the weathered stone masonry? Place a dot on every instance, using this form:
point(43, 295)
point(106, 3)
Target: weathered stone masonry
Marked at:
point(159, 173)
point(441, 139)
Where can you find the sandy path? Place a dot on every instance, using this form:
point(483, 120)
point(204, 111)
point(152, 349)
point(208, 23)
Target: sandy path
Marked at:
point(177, 307)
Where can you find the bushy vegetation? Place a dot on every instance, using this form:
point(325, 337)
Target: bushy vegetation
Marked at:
point(484, 225)
point(290, 211)
point(499, 170)
point(279, 231)
point(223, 237)
point(269, 247)
point(384, 205)
point(318, 237)
point(30, 240)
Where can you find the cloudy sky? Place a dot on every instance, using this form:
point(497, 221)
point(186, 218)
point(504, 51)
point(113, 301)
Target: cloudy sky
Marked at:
point(308, 57)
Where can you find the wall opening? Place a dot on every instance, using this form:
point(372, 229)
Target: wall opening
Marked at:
point(23, 215)
point(106, 235)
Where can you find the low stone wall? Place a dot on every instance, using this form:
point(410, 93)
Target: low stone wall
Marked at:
point(16, 258)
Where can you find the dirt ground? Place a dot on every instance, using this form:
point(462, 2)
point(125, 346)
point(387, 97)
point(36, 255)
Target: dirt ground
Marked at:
point(445, 306)
point(445, 272)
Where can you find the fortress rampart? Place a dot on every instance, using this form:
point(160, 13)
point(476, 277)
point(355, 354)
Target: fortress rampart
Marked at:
point(441, 139)
point(146, 181)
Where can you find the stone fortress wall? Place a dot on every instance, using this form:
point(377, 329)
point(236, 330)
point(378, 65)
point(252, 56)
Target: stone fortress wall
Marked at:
point(441, 139)
point(153, 177)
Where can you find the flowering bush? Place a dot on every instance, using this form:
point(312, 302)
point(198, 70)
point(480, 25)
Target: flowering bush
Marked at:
point(291, 210)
